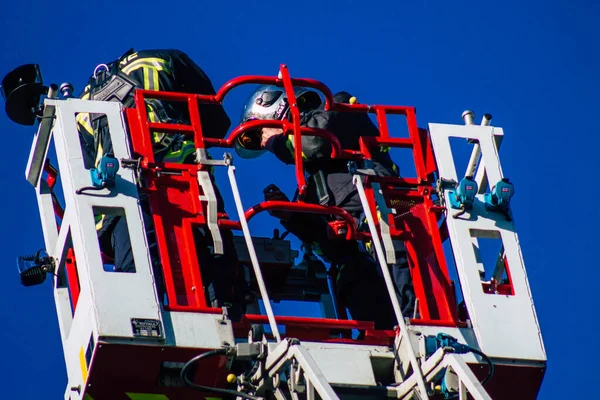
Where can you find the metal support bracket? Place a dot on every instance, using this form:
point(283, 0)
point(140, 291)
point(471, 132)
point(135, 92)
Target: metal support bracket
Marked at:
point(436, 363)
point(202, 158)
point(290, 351)
point(384, 212)
point(211, 215)
point(39, 149)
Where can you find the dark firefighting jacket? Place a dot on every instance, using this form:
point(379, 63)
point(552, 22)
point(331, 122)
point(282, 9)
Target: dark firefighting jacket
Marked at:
point(160, 70)
point(329, 181)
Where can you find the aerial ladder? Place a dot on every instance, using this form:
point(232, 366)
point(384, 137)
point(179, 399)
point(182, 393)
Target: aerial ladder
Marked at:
point(151, 334)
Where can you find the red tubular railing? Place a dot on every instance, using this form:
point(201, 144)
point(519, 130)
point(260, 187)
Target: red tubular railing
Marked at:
point(336, 149)
point(269, 80)
point(306, 208)
point(317, 322)
point(72, 278)
point(298, 162)
point(52, 178)
point(417, 141)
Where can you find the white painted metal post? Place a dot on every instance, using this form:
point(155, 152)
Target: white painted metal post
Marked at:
point(390, 286)
point(252, 252)
point(466, 376)
point(476, 153)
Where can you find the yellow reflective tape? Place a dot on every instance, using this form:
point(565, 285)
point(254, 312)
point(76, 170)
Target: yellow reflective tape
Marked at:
point(179, 156)
point(289, 143)
point(86, 90)
point(83, 365)
point(151, 114)
point(149, 65)
point(156, 136)
point(128, 59)
point(146, 78)
point(147, 396)
point(83, 119)
point(99, 154)
point(150, 84)
point(151, 62)
point(100, 223)
point(155, 81)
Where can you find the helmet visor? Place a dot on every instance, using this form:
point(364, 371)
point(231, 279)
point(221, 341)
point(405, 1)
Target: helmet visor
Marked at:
point(250, 140)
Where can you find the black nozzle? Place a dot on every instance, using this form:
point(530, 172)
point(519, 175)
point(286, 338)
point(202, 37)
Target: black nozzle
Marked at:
point(66, 89)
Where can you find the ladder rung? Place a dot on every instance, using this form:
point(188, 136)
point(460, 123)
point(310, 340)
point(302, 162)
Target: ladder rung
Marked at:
point(170, 128)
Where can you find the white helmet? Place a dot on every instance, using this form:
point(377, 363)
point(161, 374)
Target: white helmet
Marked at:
point(269, 102)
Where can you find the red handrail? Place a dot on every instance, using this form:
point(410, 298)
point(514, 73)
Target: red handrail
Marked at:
point(305, 208)
point(417, 142)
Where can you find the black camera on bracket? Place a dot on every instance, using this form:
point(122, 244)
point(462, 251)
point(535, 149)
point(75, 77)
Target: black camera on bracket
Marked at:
point(22, 89)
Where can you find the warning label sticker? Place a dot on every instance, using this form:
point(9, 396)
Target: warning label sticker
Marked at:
point(146, 327)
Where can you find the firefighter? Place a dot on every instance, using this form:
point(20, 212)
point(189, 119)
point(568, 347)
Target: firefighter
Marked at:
point(161, 70)
point(329, 183)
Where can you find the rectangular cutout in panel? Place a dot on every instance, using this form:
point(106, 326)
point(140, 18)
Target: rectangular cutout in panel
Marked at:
point(90, 350)
point(398, 129)
point(85, 124)
point(397, 125)
point(461, 154)
point(53, 183)
point(491, 258)
point(114, 240)
point(72, 276)
point(404, 160)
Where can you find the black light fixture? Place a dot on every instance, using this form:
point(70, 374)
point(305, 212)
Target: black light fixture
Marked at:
point(33, 268)
point(22, 89)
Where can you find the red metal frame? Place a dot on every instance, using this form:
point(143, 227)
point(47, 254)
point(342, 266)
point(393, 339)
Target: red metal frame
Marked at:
point(176, 208)
point(72, 277)
point(137, 369)
point(52, 177)
point(506, 289)
point(59, 212)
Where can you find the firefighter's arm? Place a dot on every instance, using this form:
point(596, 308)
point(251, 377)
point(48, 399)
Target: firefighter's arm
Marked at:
point(313, 147)
point(305, 226)
point(308, 228)
point(347, 127)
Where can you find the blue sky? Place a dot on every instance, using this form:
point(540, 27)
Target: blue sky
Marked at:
point(533, 65)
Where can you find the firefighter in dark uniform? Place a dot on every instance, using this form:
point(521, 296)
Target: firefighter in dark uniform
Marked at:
point(359, 282)
point(161, 70)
